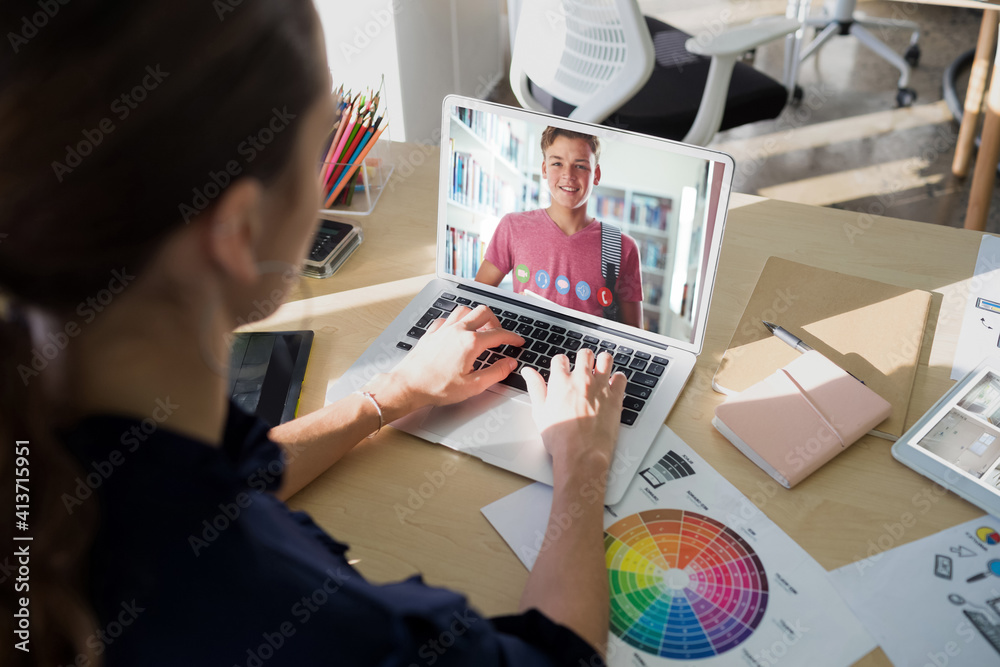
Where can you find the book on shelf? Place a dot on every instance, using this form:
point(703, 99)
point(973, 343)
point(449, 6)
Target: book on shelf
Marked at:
point(609, 207)
point(652, 254)
point(494, 131)
point(652, 290)
point(463, 252)
point(650, 212)
point(475, 187)
point(871, 329)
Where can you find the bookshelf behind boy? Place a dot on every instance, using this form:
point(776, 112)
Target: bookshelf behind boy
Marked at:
point(487, 181)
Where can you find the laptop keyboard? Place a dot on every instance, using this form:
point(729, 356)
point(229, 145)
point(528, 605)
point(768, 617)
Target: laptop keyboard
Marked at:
point(542, 341)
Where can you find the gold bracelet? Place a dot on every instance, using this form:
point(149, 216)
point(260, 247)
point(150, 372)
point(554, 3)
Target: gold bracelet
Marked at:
point(378, 409)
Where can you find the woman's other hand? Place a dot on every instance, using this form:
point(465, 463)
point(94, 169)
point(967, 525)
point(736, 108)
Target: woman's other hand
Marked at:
point(579, 411)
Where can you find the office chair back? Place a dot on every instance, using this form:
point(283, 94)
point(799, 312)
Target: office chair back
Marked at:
point(601, 61)
point(591, 54)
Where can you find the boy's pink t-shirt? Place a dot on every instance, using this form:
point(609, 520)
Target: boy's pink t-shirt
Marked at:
point(563, 269)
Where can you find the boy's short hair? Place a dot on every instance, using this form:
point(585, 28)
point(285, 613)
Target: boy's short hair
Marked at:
point(552, 133)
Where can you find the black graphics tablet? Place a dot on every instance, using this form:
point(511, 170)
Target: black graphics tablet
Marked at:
point(266, 372)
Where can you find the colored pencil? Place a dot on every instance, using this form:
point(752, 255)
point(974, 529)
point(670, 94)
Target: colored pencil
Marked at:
point(354, 167)
point(341, 124)
point(361, 121)
point(344, 161)
point(359, 146)
point(351, 127)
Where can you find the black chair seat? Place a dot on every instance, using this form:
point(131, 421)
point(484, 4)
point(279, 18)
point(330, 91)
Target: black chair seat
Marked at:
point(666, 106)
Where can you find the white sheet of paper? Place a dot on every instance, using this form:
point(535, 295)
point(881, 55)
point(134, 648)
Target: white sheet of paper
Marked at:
point(980, 327)
point(690, 554)
point(916, 599)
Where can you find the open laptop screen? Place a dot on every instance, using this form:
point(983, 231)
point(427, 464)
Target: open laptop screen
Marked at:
point(523, 219)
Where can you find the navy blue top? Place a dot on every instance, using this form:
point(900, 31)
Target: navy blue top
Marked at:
point(195, 562)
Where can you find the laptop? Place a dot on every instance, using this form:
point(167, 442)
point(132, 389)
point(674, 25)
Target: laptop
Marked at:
point(666, 200)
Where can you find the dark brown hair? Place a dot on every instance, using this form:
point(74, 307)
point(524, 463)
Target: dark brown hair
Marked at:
point(550, 134)
point(118, 119)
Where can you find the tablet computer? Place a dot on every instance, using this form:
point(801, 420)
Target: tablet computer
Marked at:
point(266, 372)
point(957, 442)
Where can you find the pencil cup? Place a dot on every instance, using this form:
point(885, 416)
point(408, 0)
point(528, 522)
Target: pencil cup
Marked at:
point(354, 188)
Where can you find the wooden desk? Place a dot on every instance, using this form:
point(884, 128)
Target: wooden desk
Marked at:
point(839, 515)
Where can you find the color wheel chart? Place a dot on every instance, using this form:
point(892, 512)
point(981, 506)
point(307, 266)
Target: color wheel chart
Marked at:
point(683, 585)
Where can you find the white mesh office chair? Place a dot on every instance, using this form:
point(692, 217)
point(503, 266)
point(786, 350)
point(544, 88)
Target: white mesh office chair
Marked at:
point(603, 61)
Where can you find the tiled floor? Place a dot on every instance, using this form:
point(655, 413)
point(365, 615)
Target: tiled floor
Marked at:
point(847, 145)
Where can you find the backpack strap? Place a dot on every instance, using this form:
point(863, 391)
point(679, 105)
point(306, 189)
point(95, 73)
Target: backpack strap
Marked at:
point(611, 259)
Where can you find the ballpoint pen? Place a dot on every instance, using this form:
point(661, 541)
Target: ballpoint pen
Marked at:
point(796, 342)
point(787, 337)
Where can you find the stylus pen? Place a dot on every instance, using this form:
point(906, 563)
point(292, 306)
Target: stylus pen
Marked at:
point(789, 338)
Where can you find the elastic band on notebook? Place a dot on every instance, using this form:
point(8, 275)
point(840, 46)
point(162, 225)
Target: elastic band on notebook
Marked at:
point(812, 405)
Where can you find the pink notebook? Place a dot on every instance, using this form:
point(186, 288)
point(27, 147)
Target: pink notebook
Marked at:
point(800, 417)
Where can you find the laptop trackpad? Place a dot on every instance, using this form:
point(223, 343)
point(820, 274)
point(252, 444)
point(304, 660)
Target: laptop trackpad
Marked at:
point(488, 424)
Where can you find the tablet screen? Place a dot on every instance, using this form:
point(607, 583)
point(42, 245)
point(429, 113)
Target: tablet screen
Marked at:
point(963, 432)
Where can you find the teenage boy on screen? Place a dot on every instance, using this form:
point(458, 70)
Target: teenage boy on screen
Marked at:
point(555, 252)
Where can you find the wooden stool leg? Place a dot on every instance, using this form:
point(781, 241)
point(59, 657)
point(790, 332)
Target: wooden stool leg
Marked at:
point(985, 174)
point(974, 96)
